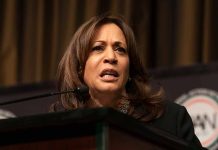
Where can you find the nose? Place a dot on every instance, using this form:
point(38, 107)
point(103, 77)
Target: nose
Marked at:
point(110, 56)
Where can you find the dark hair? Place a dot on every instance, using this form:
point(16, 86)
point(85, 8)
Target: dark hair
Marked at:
point(71, 67)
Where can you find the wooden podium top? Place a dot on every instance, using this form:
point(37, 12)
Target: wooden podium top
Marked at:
point(103, 128)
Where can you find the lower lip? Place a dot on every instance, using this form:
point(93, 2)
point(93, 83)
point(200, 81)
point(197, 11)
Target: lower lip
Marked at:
point(109, 78)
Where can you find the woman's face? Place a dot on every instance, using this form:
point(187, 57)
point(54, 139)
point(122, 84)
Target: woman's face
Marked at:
point(107, 66)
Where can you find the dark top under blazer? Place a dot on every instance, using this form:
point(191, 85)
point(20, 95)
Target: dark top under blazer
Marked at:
point(177, 121)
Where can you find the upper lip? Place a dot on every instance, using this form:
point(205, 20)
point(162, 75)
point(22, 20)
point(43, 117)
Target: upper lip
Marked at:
point(109, 72)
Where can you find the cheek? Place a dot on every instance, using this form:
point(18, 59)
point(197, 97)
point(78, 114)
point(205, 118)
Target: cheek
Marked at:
point(87, 71)
point(90, 70)
point(125, 67)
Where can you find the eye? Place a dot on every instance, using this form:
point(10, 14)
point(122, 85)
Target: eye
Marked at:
point(98, 48)
point(120, 49)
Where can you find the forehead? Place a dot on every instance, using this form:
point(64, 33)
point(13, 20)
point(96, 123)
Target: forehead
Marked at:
point(109, 30)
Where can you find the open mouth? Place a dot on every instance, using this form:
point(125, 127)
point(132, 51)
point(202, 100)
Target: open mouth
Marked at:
point(109, 72)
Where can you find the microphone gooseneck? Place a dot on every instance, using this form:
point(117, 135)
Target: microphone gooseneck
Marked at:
point(78, 90)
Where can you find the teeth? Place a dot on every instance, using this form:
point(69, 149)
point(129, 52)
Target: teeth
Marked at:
point(108, 75)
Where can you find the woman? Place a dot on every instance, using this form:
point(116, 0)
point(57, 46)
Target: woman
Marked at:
point(103, 56)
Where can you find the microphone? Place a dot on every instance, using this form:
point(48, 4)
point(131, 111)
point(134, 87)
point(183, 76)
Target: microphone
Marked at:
point(78, 90)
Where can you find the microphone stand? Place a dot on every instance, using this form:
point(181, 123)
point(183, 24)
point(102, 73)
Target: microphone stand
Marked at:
point(79, 90)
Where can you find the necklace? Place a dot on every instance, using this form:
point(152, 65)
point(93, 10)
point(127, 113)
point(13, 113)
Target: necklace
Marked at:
point(123, 106)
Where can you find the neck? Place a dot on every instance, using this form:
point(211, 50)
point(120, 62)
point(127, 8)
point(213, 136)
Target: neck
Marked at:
point(105, 99)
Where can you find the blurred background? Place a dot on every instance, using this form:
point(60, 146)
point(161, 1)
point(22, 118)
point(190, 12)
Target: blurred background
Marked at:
point(35, 33)
point(177, 39)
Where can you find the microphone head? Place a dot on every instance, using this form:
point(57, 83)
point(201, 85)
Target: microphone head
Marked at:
point(82, 89)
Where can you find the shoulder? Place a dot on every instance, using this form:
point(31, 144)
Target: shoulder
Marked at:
point(173, 113)
point(176, 121)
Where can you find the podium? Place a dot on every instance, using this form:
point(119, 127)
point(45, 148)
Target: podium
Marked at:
point(84, 129)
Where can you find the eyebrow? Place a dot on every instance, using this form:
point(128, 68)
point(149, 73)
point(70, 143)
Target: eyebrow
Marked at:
point(116, 43)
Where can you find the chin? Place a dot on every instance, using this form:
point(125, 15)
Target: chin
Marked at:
point(109, 89)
